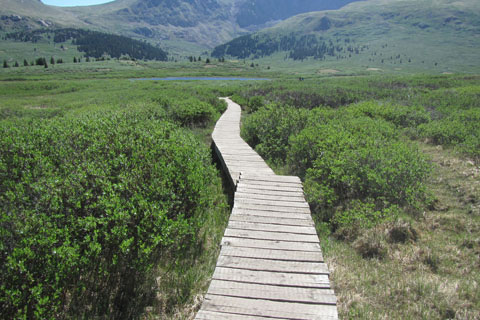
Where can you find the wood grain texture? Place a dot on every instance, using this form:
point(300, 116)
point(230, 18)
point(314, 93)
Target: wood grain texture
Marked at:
point(271, 265)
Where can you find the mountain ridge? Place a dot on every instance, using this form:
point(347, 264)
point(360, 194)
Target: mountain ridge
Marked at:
point(206, 23)
point(375, 33)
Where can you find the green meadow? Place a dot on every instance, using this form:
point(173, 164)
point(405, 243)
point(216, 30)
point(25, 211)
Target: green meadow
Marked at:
point(112, 204)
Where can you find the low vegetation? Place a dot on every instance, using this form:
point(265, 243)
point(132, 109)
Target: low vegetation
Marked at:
point(369, 157)
point(389, 164)
point(112, 209)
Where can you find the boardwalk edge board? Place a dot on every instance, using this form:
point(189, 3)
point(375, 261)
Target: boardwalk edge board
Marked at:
point(271, 265)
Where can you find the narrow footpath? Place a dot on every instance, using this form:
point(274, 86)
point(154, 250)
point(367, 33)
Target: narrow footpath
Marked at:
point(271, 264)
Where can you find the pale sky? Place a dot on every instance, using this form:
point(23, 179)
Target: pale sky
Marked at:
point(71, 3)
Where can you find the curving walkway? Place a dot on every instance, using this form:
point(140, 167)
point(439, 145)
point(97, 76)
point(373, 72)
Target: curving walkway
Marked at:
point(271, 264)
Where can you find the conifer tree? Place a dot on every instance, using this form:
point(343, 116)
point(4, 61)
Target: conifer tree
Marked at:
point(5, 64)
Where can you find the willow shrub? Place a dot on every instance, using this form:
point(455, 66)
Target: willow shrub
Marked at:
point(356, 169)
point(459, 129)
point(89, 204)
point(357, 158)
point(269, 129)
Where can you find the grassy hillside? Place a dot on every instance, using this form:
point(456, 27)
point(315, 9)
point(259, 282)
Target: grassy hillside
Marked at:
point(180, 24)
point(376, 35)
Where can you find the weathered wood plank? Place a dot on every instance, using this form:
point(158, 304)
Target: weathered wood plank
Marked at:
point(272, 293)
point(256, 177)
point(302, 280)
point(270, 244)
point(257, 253)
point(246, 190)
point(271, 183)
point(251, 205)
point(210, 315)
point(255, 226)
point(272, 265)
point(273, 188)
point(276, 203)
point(272, 213)
point(271, 220)
point(265, 308)
point(246, 196)
point(275, 236)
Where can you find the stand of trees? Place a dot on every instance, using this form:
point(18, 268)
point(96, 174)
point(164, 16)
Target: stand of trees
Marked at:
point(95, 44)
point(299, 47)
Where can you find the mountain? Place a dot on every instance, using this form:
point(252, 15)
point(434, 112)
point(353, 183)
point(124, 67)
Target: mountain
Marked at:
point(375, 33)
point(205, 23)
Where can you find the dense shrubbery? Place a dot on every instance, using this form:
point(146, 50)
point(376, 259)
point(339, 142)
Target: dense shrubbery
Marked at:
point(357, 166)
point(269, 129)
point(88, 204)
point(349, 158)
point(456, 119)
point(440, 108)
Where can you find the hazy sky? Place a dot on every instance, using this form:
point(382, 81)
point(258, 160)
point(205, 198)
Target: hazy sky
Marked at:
point(71, 3)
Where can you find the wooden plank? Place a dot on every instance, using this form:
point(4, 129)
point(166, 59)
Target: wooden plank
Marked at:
point(270, 244)
point(242, 153)
point(271, 203)
point(271, 183)
point(253, 167)
point(246, 161)
point(210, 315)
point(255, 226)
point(271, 213)
point(272, 188)
point(270, 220)
point(272, 265)
point(246, 190)
point(276, 236)
point(302, 280)
point(256, 253)
point(248, 157)
point(272, 293)
point(256, 164)
point(293, 198)
point(275, 178)
point(265, 308)
point(254, 206)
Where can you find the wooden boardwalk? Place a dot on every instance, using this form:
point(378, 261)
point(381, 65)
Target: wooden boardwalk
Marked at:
point(271, 265)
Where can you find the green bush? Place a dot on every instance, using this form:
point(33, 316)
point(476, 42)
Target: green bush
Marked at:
point(345, 158)
point(190, 111)
point(255, 103)
point(269, 129)
point(88, 205)
point(401, 116)
point(460, 129)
